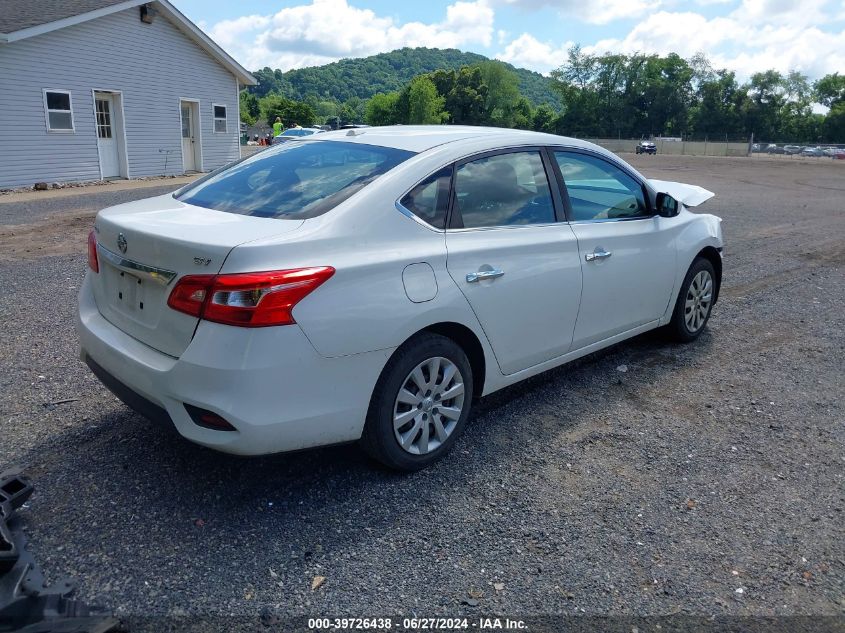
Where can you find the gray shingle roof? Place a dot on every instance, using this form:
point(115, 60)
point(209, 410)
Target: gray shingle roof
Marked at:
point(16, 15)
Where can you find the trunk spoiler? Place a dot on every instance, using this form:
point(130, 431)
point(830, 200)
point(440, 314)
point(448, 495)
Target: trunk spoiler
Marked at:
point(688, 195)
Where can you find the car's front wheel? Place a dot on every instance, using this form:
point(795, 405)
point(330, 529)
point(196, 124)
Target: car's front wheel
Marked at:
point(695, 302)
point(420, 404)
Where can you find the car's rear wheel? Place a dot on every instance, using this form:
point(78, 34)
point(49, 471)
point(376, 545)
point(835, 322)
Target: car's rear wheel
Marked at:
point(695, 302)
point(420, 404)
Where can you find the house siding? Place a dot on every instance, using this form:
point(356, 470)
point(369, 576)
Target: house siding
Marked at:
point(152, 65)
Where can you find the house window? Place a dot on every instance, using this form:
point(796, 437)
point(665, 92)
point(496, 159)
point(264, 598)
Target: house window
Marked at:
point(58, 110)
point(219, 118)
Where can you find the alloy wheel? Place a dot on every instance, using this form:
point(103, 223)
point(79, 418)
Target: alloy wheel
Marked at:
point(699, 301)
point(428, 405)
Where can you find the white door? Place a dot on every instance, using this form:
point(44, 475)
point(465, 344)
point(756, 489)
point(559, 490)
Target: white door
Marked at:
point(189, 137)
point(627, 253)
point(106, 136)
point(516, 265)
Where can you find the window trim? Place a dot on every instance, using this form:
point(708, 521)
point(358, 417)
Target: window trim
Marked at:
point(407, 212)
point(455, 223)
point(47, 111)
point(215, 118)
point(565, 192)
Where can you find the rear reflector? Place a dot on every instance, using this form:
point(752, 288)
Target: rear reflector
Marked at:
point(93, 262)
point(208, 419)
point(247, 299)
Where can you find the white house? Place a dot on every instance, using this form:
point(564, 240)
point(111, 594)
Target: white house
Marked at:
point(94, 89)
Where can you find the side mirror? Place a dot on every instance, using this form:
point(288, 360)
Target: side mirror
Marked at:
point(667, 206)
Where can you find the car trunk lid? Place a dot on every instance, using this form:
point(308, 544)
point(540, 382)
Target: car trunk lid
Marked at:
point(145, 246)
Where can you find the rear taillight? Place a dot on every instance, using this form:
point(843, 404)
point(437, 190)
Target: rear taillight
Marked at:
point(247, 299)
point(93, 262)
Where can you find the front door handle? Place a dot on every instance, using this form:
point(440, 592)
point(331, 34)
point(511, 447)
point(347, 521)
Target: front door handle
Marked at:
point(484, 274)
point(591, 257)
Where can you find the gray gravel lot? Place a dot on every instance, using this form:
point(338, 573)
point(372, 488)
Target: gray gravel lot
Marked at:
point(700, 471)
point(17, 208)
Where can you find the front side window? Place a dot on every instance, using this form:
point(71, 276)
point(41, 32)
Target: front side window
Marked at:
point(294, 180)
point(430, 199)
point(57, 105)
point(219, 118)
point(599, 190)
point(503, 190)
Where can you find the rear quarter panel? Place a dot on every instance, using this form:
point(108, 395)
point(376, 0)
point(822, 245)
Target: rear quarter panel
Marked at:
point(364, 306)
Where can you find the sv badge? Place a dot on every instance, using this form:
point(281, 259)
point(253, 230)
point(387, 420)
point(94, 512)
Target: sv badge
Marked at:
point(202, 261)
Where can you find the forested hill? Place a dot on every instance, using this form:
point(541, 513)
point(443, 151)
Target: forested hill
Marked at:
point(385, 72)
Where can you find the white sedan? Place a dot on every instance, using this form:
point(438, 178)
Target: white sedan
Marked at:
point(369, 284)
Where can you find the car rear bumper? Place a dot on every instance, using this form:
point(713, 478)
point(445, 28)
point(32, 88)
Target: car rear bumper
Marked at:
point(270, 384)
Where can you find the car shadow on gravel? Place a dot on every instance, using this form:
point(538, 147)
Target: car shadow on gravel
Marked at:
point(149, 462)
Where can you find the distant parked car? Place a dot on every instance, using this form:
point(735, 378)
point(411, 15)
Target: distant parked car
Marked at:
point(838, 154)
point(774, 148)
point(646, 147)
point(812, 151)
point(295, 132)
point(791, 150)
point(756, 148)
point(831, 151)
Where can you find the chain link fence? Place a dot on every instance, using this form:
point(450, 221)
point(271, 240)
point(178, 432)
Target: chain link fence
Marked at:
point(725, 147)
point(678, 146)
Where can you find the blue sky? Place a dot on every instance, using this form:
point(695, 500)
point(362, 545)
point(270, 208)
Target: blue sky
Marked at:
point(744, 35)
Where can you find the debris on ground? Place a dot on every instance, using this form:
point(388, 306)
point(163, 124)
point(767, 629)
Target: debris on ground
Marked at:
point(27, 602)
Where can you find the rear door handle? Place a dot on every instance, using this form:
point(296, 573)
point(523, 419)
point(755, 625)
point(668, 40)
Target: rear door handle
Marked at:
point(590, 257)
point(484, 274)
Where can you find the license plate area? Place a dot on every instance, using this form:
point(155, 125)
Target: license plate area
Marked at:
point(130, 295)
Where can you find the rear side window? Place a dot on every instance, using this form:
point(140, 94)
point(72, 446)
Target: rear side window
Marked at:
point(502, 190)
point(297, 180)
point(599, 190)
point(430, 199)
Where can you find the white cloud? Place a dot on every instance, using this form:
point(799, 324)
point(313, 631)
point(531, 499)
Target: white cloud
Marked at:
point(592, 11)
point(682, 33)
point(328, 30)
point(528, 52)
point(787, 12)
point(756, 36)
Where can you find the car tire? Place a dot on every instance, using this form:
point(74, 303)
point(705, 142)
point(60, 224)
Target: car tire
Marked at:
point(410, 430)
point(695, 302)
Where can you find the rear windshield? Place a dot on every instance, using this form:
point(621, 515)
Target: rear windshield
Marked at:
point(297, 180)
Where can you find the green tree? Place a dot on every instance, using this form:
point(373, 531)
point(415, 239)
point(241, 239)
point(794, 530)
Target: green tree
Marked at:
point(250, 110)
point(719, 107)
point(833, 127)
point(765, 104)
point(291, 112)
point(381, 109)
point(424, 104)
point(544, 119)
point(502, 93)
point(830, 90)
point(354, 110)
point(326, 110)
point(466, 100)
point(523, 114)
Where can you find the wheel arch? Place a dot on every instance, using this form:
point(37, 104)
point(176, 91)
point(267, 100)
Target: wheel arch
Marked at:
point(468, 341)
point(711, 254)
